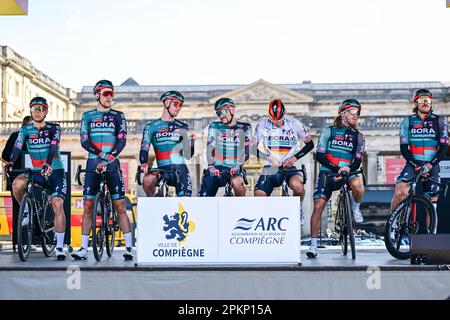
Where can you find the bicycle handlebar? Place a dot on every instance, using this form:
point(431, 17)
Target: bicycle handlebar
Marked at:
point(227, 173)
point(137, 177)
point(80, 170)
point(346, 175)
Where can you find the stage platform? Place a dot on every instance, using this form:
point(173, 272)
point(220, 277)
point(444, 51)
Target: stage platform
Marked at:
point(373, 275)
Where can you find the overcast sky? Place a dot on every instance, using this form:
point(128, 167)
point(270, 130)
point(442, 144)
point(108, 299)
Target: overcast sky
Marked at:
point(77, 42)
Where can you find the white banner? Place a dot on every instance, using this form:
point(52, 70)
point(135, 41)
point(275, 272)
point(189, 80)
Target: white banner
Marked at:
point(444, 169)
point(259, 230)
point(178, 230)
point(218, 230)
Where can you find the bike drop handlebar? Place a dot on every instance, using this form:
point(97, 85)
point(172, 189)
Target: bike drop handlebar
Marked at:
point(80, 170)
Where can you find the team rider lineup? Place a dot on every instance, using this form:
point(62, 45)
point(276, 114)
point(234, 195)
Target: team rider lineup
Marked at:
point(278, 140)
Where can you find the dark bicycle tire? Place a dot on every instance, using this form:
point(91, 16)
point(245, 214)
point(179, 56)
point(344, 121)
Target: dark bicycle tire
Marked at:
point(391, 248)
point(349, 225)
point(342, 229)
point(25, 234)
point(98, 231)
point(48, 227)
point(110, 232)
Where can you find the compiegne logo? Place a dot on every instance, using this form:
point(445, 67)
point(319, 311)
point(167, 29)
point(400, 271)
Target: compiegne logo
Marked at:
point(178, 226)
point(262, 231)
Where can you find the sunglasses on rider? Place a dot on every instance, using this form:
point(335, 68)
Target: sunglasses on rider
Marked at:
point(423, 100)
point(177, 103)
point(354, 112)
point(108, 94)
point(38, 108)
point(222, 112)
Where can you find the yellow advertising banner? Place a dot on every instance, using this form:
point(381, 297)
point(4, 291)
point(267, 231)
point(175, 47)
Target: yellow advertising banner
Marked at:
point(14, 7)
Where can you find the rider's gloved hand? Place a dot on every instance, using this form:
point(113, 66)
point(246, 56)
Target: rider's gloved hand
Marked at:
point(101, 167)
point(427, 168)
point(8, 167)
point(213, 171)
point(144, 168)
point(46, 170)
point(108, 157)
point(235, 170)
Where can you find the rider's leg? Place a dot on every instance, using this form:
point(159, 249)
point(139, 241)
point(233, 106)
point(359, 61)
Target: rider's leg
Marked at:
point(402, 186)
point(401, 190)
point(149, 183)
point(184, 185)
point(60, 220)
point(357, 187)
point(260, 193)
point(58, 188)
point(19, 186)
point(316, 217)
point(237, 183)
point(297, 186)
point(115, 182)
point(87, 222)
point(91, 187)
point(264, 185)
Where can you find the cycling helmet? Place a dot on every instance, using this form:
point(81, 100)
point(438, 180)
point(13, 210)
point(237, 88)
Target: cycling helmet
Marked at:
point(349, 103)
point(276, 110)
point(172, 95)
point(223, 103)
point(102, 84)
point(422, 92)
point(38, 101)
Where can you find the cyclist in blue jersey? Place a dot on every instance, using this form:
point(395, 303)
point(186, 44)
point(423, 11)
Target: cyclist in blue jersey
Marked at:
point(103, 134)
point(340, 149)
point(423, 143)
point(228, 148)
point(42, 140)
point(279, 136)
point(173, 142)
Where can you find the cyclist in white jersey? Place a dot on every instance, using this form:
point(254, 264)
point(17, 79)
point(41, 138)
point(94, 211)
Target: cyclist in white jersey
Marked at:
point(277, 140)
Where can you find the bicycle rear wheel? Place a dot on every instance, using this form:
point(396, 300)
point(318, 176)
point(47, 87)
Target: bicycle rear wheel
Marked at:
point(98, 227)
point(24, 228)
point(48, 228)
point(111, 221)
point(398, 231)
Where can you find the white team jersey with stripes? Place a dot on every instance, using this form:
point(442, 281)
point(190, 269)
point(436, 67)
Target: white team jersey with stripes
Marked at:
point(280, 143)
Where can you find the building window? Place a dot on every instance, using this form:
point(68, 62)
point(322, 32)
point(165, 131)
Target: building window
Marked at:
point(17, 89)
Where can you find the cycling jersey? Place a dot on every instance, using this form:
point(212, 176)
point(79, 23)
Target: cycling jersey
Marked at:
point(42, 144)
point(228, 146)
point(171, 141)
point(339, 147)
point(103, 135)
point(421, 142)
point(424, 138)
point(281, 143)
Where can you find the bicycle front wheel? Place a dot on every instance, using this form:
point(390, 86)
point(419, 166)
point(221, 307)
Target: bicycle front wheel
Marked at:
point(98, 227)
point(349, 225)
point(111, 221)
point(25, 228)
point(400, 226)
point(48, 229)
point(340, 226)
